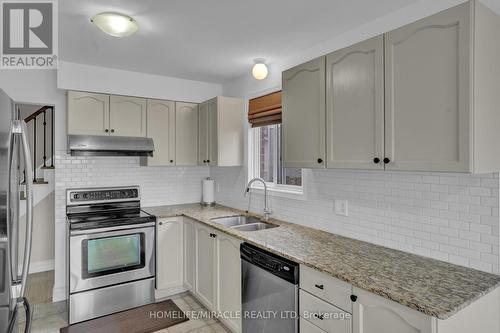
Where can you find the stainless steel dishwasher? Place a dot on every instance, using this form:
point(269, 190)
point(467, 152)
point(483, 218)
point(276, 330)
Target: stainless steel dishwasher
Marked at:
point(269, 292)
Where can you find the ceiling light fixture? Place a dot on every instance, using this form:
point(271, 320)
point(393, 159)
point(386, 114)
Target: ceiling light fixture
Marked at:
point(115, 24)
point(259, 69)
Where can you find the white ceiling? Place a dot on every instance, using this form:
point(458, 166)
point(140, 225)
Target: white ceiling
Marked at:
point(208, 40)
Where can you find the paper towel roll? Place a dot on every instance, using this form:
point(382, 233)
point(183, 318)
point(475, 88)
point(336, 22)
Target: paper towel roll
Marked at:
point(208, 191)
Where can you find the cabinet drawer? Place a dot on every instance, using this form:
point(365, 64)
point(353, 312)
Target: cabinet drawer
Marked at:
point(307, 327)
point(324, 315)
point(326, 287)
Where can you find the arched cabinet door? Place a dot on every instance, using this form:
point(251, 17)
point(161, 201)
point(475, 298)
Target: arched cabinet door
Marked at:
point(186, 134)
point(427, 86)
point(229, 278)
point(161, 128)
point(355, 106)
point(127, 116)
point(303, 115)
point(375, 314)
point(88, 113)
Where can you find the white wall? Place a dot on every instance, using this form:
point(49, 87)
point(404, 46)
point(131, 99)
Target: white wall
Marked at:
point(72, 76)
point(247, 86)
point(446, 216)
point(162, 185)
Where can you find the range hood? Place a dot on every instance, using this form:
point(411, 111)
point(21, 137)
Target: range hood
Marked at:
point(91, 145)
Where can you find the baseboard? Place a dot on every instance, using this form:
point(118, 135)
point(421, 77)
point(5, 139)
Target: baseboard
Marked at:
point(59, 294)
point(162, 294)
point(39, 266)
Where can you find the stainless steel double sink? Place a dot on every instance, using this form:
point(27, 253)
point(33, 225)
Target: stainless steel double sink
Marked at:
point(243, 223)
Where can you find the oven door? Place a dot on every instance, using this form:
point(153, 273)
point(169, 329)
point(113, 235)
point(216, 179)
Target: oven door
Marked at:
point(109, 256)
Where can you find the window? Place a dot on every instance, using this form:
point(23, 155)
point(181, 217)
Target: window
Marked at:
point(266, 159)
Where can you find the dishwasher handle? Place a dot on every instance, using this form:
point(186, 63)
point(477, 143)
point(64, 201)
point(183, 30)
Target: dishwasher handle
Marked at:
point(274, 264)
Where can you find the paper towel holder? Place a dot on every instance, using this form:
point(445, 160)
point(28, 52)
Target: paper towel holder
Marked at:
point(203, 200)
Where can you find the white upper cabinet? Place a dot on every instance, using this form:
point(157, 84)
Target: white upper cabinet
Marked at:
point(428, 93)
point(220, 135)
point(355, 106)
point(303, 117)
point(213, 144)
point(425, 101)
point(203, 133)
point(186, 133)
point(88, 113)
point(161, 127)
point(127, 116)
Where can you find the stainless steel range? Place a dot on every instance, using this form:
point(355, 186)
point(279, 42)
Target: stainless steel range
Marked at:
point(111, 252)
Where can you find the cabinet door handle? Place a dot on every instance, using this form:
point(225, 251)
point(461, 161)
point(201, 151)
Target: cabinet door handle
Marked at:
point(160, 223)
point(387, 160)
point(319, 286)
point(171, 161)
point(376, 160)
point(106, 130)
point(208, 161)
point(354, 298)
point(320, 160)
point(320, 317)
point(112, 130)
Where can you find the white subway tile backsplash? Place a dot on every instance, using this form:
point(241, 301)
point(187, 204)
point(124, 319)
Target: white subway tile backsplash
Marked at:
point(159, 185)
point(446, 216)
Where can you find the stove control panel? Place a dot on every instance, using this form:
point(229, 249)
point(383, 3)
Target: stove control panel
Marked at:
point(103, 195)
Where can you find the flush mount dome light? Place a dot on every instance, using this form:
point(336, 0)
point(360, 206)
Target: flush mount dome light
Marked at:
point(259, 69)
point(115, 24)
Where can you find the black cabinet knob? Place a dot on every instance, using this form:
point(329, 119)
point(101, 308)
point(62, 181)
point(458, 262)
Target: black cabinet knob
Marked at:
point(106, 130)
point(112, 130)
point(320, 160)
point(319, 316)
point(354, 298)
point(386, 160)
point(376, 160)
point(208, 161)
point(171, 161)
point(319, 286)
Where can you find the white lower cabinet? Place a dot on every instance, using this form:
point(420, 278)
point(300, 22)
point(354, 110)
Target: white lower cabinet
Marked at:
point(375, 314)
point(323, 315)
point(205, 265)
point(307, 327)
point(169, 256)
point(189, 254)
point(229, 280)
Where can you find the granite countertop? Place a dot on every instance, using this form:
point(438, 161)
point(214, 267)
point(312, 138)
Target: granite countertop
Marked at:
point(436, 288)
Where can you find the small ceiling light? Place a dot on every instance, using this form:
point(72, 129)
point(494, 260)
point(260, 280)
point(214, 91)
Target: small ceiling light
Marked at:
point(115, 24)
point(259, 69)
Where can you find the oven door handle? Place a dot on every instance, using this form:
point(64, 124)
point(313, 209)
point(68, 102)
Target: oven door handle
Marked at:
point(117, 228)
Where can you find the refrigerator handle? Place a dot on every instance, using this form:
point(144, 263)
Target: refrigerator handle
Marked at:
point(19, 129)
point(29, 205)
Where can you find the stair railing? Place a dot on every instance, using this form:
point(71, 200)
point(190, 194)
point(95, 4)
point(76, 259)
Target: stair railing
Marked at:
point(42, 113)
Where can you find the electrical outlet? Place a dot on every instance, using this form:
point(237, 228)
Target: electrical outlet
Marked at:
point(341, 207)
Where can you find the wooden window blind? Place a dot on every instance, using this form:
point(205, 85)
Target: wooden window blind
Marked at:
point(265, 110)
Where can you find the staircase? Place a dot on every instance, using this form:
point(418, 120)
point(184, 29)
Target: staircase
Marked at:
point(40, 126)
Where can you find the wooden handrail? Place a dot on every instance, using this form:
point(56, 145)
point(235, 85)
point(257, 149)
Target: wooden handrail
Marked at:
point(36, 113)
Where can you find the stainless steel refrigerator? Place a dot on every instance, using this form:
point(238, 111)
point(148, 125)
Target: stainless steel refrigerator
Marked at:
point(14, 148)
